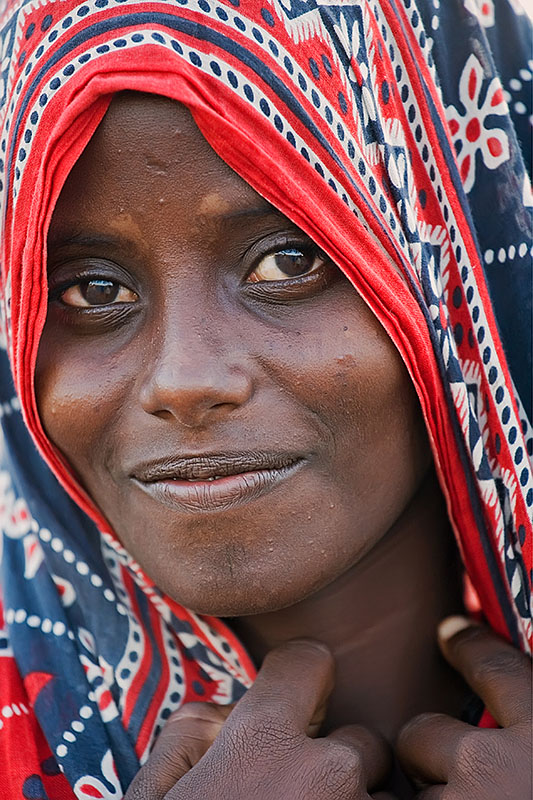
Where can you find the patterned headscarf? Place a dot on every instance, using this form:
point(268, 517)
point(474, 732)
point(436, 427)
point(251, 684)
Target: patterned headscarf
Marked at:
point(403, 158)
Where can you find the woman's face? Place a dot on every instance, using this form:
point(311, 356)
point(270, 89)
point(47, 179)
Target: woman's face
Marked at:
point(219, 388)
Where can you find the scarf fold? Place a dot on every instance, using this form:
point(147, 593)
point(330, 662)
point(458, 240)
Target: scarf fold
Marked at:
point(396, 134)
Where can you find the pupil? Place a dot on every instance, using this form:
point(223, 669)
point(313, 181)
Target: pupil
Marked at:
point(292, 262)
point(99, 293)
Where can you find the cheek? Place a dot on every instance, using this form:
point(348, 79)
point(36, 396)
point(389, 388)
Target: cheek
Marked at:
point(349, 375)
point(78, 393)
point(351, 379)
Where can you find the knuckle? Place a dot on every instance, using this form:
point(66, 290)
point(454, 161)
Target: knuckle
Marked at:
point(471, 751)
point(492, 768)
point(338, 772)
point(480, 755)
point(491, 670)
point(258, 733)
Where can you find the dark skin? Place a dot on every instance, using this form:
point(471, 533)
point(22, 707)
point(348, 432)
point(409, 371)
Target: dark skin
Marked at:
point(187, 317)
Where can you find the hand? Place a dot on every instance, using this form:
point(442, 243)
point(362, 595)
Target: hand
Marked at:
point(262, 750)
point(461, 761)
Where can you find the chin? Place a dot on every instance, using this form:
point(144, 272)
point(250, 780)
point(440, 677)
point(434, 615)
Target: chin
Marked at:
point(233, 604)
point(244, 594)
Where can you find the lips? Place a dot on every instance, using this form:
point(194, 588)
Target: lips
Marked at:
point(214, 482)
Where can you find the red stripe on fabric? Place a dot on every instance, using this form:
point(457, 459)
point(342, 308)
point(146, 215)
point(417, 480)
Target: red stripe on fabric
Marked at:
point(139, 680)
point(158, 695)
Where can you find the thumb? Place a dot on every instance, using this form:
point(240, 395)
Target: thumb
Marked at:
point(293, 684)
point(188, 734)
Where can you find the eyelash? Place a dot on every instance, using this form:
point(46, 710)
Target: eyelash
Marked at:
point(108, 317)
point(57, 287)
point(270, 290)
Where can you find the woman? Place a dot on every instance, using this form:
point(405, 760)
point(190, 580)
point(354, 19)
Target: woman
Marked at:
point(198, 373)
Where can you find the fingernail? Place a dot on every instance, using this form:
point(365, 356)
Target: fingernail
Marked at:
point(452, 625)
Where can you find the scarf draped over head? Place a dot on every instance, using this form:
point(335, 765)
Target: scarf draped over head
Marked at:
point(395, 134)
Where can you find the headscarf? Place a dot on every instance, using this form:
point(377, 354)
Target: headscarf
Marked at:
point(385, 131)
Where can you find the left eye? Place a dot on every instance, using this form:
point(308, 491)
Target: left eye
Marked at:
point(286, 264)
point(91, 293)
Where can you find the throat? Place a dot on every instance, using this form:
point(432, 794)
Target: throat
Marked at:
point(379, 619)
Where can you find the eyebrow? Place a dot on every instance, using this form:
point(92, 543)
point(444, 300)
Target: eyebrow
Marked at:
point(85, 240)
point(60, 241)
point(261, 211)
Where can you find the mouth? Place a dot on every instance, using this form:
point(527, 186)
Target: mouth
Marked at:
point(214, 482)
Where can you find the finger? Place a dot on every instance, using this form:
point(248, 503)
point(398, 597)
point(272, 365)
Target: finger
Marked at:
point(427, 746)
point(373, 750)
point(499, 673)
point(186, 737)
point(291, 687)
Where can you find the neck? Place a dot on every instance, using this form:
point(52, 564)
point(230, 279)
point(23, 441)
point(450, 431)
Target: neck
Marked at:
point(379, 619)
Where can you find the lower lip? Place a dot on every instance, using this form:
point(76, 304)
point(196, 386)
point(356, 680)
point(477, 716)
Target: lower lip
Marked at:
point(220, 494)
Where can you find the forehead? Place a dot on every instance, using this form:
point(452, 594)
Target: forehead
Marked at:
point(147, 153)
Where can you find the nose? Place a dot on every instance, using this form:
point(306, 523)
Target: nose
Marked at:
point(193, 378)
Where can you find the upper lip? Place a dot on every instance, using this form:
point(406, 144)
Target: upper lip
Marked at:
point(216, 465)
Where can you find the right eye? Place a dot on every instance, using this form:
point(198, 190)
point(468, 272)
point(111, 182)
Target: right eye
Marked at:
point(291, 262)
point(97, 292)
